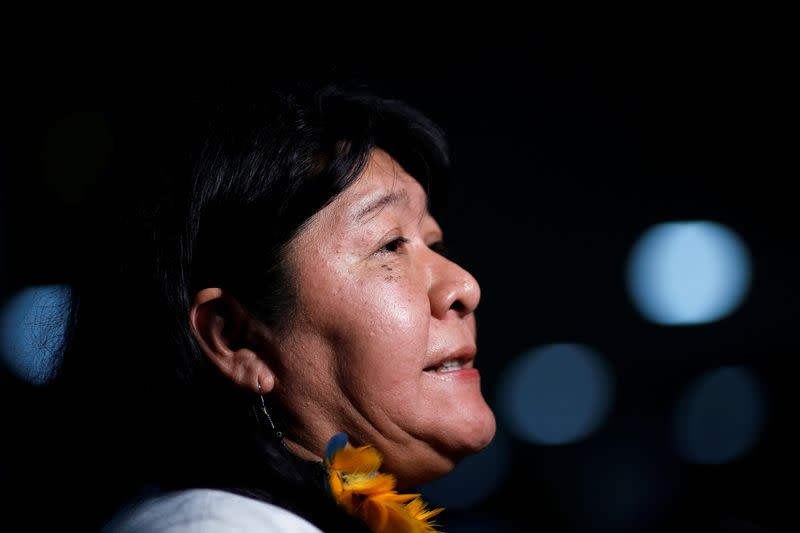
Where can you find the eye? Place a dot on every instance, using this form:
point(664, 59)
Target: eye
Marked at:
point(393, 246)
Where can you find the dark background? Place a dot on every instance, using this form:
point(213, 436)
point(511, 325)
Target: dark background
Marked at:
point(571, 135)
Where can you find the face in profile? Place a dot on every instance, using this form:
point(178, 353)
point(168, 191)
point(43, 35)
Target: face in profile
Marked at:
point(383, 339)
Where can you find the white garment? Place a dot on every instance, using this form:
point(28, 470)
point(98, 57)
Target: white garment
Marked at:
point(206, 511)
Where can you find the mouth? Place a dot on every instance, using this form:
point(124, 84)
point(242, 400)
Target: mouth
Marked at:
point(461, 359)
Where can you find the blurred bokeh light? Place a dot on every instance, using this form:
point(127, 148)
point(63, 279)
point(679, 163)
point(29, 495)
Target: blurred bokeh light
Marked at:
point(556, 394)
point(688, 272)
point(720, 416)
point(32, 327)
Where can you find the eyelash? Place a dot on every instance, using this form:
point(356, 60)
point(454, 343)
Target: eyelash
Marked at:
point(394, 246)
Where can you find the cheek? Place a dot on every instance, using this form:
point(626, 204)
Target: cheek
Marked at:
point(376, 302)
point(385, 335)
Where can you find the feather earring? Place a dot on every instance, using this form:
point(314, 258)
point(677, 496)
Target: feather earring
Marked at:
point(358, 486)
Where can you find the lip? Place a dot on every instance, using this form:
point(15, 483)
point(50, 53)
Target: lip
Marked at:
point(465, 374)
point(464, 354)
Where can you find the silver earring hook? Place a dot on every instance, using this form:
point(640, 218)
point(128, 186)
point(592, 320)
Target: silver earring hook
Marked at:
point(278, 434)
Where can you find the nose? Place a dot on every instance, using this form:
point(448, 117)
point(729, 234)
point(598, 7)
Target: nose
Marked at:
point(452, 289)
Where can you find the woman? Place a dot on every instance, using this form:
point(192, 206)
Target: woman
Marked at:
point(280, 282)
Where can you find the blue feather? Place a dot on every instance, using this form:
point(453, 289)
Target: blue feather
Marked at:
point(336, 443)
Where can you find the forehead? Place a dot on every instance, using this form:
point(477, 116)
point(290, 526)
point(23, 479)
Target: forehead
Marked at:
point(383, 183)
point(339, 221)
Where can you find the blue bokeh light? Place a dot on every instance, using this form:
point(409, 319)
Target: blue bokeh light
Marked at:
point(688, 272)
point(720, 416)
point(556, 394)
point(32, 327)
point(474, 479)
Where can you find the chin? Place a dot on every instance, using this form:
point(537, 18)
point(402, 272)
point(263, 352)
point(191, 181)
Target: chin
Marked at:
point(466, 438)
point(481, 430)
point(469, 430)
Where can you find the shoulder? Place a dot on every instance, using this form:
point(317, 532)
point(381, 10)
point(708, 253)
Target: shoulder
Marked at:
point(205, 511)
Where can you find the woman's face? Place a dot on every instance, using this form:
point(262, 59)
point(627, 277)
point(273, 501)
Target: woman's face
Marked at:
point(378, 312)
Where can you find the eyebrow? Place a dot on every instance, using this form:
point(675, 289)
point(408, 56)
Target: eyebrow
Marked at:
point(391, 198)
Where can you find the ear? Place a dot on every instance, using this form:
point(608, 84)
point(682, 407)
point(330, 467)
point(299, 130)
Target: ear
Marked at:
point(231, 339)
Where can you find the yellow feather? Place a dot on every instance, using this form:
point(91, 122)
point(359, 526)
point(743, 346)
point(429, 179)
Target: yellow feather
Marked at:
point(356, 484)
point(377, 484)
point(362, 459)
point(393, 497)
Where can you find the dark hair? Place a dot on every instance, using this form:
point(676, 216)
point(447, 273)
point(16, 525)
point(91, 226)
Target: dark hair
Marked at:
point(210, 196)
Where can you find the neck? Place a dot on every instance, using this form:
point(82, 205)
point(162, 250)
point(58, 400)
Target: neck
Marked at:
point(301, 451)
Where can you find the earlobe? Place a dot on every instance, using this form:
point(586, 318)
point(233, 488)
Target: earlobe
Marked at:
point(265, 383)
point(222, 330)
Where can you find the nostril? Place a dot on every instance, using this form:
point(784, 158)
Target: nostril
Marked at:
point(458, 305)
